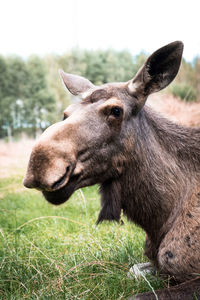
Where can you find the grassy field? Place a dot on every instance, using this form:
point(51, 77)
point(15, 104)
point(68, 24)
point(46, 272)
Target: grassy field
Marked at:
point(49, 252)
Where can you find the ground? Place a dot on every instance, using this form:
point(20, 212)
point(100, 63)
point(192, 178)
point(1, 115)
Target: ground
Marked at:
point(184, 113)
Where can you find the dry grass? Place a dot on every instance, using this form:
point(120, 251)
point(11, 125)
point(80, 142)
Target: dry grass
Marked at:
point(14, 157)
point(183, 113)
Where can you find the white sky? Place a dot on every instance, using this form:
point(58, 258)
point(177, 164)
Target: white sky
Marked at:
point(41, 26)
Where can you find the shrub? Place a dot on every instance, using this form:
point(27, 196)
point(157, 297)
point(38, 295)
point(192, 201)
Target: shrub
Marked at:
point(184, 92)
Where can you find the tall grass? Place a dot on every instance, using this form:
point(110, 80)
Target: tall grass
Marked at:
point(49, 252)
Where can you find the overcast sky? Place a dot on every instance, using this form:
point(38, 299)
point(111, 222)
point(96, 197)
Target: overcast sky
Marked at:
point(41, 26)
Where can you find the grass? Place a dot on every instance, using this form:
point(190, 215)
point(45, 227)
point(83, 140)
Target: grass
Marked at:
point(49, 252)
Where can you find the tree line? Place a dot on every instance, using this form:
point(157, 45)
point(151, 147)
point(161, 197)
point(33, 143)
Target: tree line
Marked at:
point(32, 96)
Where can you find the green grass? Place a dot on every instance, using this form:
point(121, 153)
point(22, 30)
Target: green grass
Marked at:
point(49, 252)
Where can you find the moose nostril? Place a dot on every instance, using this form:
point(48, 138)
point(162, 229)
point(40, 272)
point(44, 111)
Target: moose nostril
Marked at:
point(61, 180)
point(29, 182)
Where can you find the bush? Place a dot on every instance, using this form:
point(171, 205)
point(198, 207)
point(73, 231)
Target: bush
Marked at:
point(184, 92)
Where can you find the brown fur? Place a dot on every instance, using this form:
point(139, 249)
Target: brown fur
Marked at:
point(184, 291)
point(144, 164)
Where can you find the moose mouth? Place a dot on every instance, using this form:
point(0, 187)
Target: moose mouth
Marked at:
point(76, 181)
point(61, 195)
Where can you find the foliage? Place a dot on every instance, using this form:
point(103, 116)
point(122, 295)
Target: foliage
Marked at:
point(41, 102)
point(25, 100)
point(183, 91)
point(49, 252)
point(187, 83)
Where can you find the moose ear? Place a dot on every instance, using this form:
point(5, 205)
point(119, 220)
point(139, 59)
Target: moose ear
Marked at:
point(77, 85)
point(157, 72)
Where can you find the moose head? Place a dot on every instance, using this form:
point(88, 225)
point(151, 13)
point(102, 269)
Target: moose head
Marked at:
point(94, 143)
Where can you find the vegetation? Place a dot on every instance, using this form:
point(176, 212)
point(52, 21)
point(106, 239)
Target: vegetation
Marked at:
point(183, 91)
point(25, 101)
point(49, 252)
point(187, 84)
point(32, 96)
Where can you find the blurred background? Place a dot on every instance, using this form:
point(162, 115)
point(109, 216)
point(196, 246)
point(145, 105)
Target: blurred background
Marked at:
point(104, 41)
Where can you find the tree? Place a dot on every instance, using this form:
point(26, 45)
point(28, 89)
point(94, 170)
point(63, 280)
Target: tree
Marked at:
point(39, 102)
point(16, 86)
point(26, 103)
point(4, 116)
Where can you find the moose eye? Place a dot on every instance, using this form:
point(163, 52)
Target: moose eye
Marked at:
point(116, 111)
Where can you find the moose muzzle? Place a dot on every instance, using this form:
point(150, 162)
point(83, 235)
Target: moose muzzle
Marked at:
point(51, 162)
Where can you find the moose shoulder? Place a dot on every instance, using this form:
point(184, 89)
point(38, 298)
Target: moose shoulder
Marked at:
point(144, 164)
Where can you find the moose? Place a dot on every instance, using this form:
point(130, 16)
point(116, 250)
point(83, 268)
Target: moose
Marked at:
point(146, 165)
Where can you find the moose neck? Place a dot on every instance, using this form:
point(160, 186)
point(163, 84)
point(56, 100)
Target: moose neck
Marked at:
point(153, 184)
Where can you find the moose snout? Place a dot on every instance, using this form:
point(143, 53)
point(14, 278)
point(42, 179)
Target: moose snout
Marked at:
point(51, 163)
point(29, 182)
point(50, 183)
point(47, 173)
